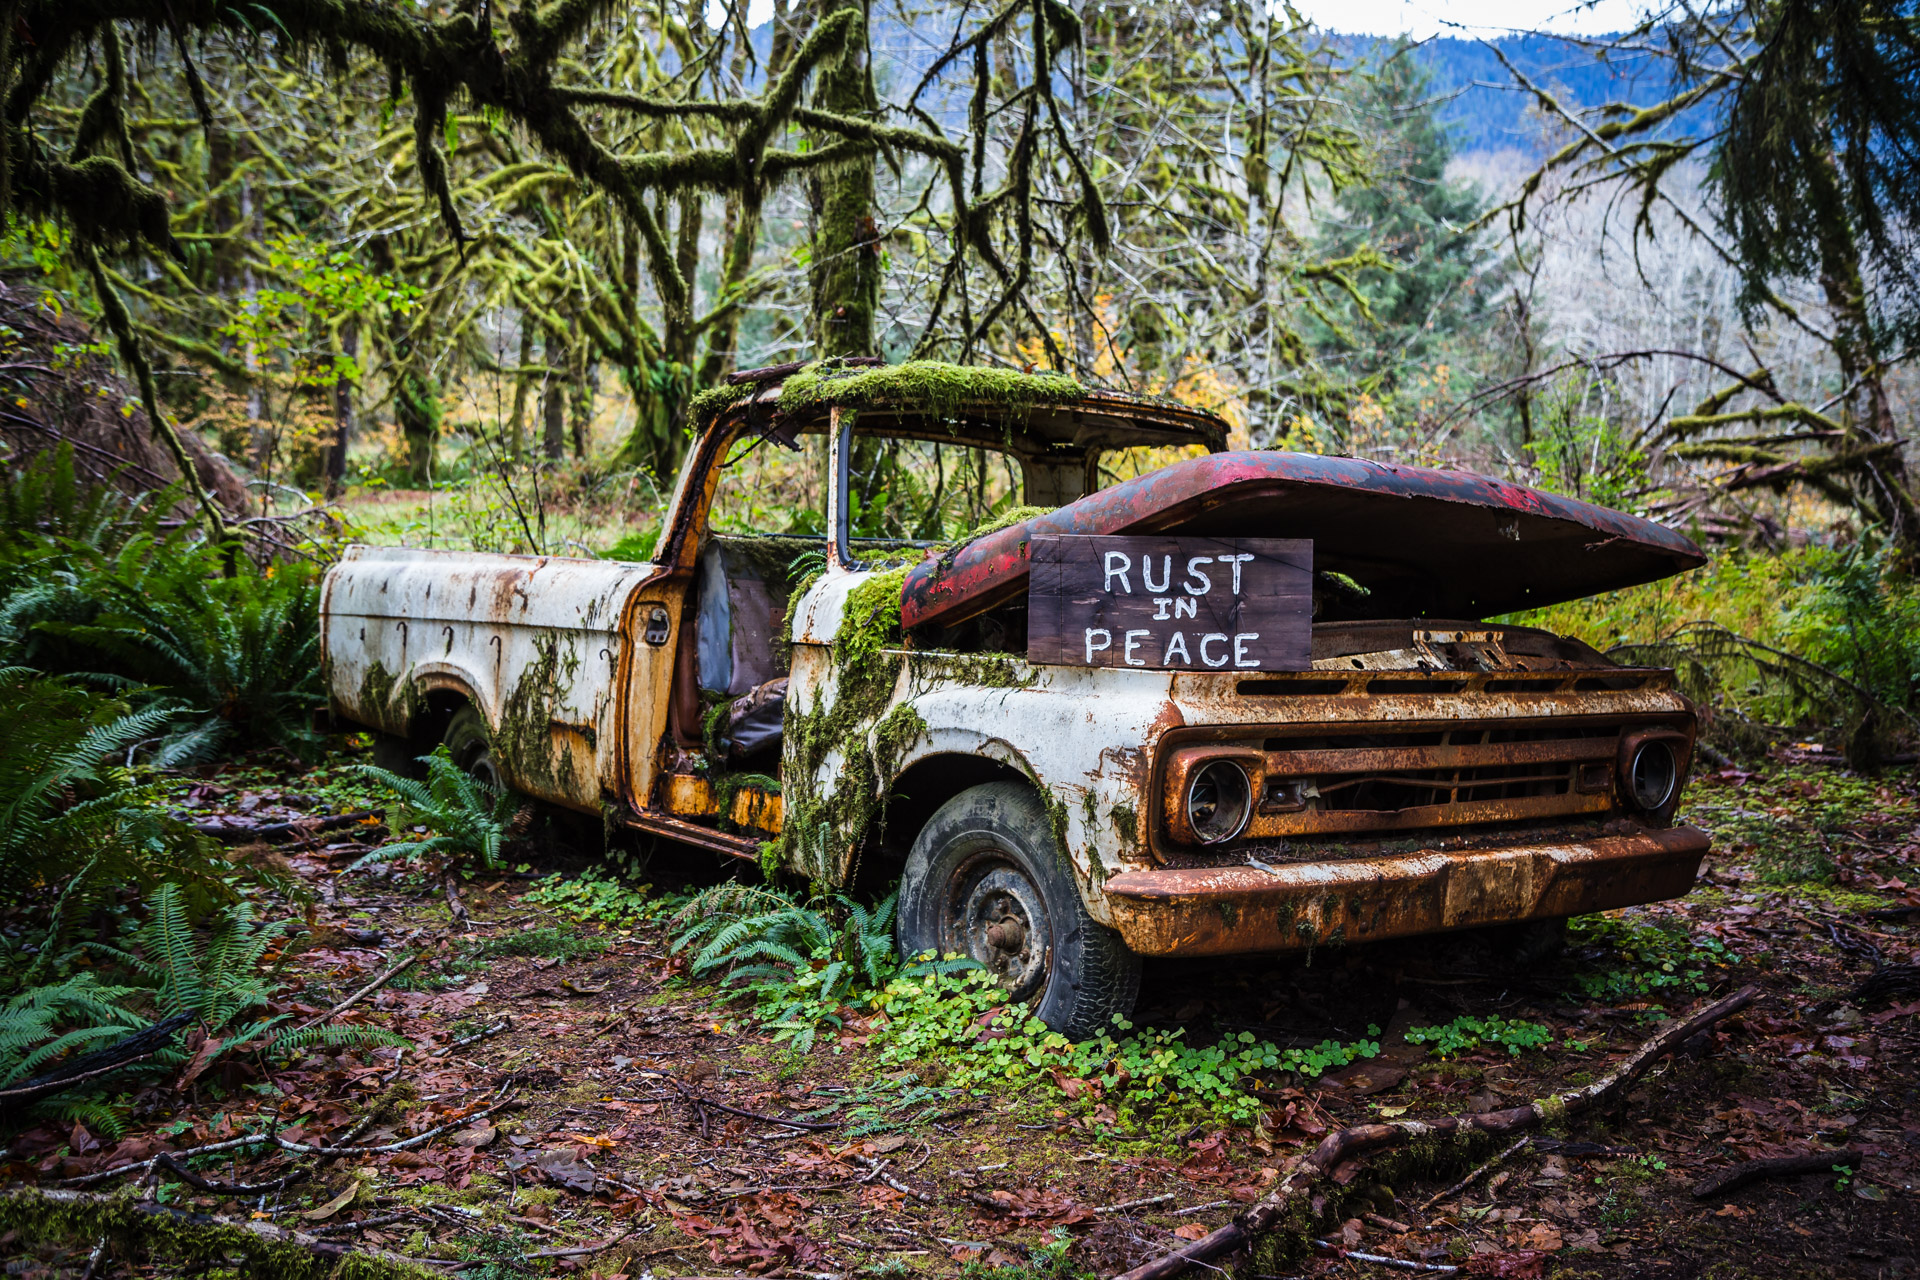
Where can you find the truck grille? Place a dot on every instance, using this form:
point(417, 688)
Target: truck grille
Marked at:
point(1399, 779)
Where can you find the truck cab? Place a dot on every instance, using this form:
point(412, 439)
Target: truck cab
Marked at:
point(856, 710)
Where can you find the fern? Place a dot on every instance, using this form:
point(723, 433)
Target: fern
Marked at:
point(64, 801)
point(468, 817)
point(29, 1023)
point(802, 961)
point(342, 1035)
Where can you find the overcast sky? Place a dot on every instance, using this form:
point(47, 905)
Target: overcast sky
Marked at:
point(1422, 18)
point(1418, 18)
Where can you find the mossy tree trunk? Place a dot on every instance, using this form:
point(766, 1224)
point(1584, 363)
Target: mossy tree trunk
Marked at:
point(845, 271)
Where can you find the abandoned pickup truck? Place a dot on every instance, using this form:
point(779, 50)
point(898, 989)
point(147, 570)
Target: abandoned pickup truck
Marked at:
point(1310, 737)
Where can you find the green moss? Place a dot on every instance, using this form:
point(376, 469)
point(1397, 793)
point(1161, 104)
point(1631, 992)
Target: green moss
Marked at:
point(871, 621)
point(1126, 821)
point(936, 388)
point(376, 690)
point(524, 739)
point(1005, 520)
point(191, 1241)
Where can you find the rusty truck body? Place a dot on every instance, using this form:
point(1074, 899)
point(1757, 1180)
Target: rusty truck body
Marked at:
point(1429, 771)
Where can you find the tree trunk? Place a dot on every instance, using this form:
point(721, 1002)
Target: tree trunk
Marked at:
point(416, 404)
point(522, 381)
point(845, 273)
point(1886, 489)
point(336, 460)
point(553, 440)
point(580, 415)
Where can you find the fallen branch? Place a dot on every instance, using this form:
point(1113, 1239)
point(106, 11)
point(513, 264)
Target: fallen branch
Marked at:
point(485, 1033)
point(136, 1048)
point(298, 1148)
point(172, 1163)
point(1125, 1205)
point(1381, 1260)
point(1778, 1167)
point(701, 1103)
point(1473, 1177)
point(357, 996)
point(1302, 1175)
point(303, 1149)
point(102, 1175)
point(878, 1169)
point(200, 1239)
point(227, 833)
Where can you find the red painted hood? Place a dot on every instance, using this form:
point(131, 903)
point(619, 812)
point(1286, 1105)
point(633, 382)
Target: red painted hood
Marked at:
point(1424, 543)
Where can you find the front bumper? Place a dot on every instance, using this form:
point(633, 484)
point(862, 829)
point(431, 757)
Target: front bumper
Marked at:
point(1206, 911)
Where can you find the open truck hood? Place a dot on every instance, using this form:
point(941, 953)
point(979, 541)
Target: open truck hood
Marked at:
point(1423, 543)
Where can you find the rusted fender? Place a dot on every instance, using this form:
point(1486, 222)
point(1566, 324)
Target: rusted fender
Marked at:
point(1228, 910)
point(1463, 545)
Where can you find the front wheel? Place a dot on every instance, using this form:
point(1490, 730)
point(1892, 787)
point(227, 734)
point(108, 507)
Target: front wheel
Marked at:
point(987, 880)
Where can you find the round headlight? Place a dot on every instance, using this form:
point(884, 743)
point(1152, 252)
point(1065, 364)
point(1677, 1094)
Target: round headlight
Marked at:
point(1652, 775)
point(1219, 801)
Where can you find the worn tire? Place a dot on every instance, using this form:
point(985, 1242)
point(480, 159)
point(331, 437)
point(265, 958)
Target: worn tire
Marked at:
point(471, 746)
point(398, 755)
point(986, 879)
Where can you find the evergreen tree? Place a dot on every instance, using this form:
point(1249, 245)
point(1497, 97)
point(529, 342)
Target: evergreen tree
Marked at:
point(1417, 319)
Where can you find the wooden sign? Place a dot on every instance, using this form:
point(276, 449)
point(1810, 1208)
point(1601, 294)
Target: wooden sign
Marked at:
point(1175, 604)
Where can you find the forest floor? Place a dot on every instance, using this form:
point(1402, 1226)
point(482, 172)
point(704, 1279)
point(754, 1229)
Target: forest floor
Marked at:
point(615, 1157)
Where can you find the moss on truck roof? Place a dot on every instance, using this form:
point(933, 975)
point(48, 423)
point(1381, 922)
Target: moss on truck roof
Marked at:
point(930, 385)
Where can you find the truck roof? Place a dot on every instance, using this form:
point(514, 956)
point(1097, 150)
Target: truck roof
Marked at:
point(1005, 409)
point(1418, 542)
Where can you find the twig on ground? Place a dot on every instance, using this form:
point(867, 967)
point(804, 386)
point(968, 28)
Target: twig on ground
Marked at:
point(102, 1175)
point(1304, 1175)
point(1778, 1167)
point(364, 1224)
point(401, 1145)
point(1202, 1208)
point(1125, 1205)
point(217, 1187)
point(700, 1103)
point(450, 885)
point(1475, 1176)
point(878, 1169)
point(1381, 1260)
point(95, 1258)
point(357, 996)
point(485, 1033)
point(1388, 1224)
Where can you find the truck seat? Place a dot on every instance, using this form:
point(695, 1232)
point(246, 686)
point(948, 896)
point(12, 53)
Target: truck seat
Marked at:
point(740, 609)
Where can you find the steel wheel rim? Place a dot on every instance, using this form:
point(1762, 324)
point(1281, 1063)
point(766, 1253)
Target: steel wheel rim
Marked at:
point(994, 914)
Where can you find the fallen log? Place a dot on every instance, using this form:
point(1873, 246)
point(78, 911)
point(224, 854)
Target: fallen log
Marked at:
point(195, 1238)
point(1303, 1175)
point(1740, 1175)
point(136, 1048)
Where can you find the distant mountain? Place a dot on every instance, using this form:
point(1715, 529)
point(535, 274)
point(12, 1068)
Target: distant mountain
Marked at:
point(1488, 112)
